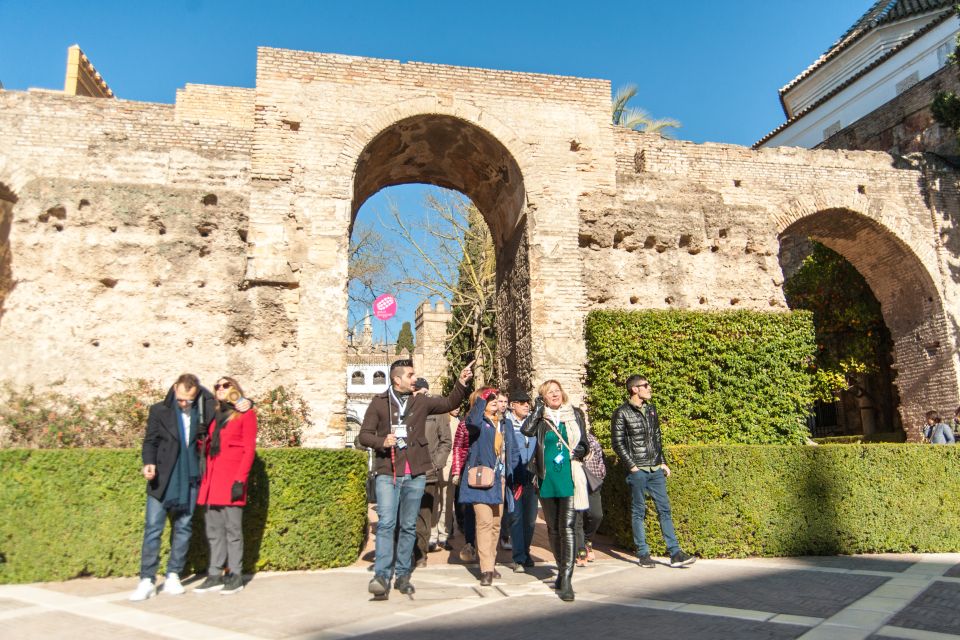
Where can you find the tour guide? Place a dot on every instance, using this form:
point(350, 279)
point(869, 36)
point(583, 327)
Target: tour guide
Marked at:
point(394, 427)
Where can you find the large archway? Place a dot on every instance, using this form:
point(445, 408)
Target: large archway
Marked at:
point(453, 153)
point(910, 303)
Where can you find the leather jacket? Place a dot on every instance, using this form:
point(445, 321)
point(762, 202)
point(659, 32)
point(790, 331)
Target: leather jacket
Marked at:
point(537, 426)
point(636, 438)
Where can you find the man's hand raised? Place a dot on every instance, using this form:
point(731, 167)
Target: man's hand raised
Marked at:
point(467, 373)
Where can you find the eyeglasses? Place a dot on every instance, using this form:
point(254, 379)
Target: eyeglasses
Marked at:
point(218, 386)
point(644, 385)
point(185, 400)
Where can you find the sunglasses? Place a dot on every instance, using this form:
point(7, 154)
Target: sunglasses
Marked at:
point(218, 386)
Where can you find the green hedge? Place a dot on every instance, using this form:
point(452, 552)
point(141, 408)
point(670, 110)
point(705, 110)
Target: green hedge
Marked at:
point(718, 377)
point(768, 500)
point(80, 512)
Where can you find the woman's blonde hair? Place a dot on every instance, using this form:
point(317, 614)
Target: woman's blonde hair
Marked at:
point(542, 390)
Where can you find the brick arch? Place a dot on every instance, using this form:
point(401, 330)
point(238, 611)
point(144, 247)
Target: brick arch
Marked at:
point(457, 146)
point(384, 134)
point(910, 301)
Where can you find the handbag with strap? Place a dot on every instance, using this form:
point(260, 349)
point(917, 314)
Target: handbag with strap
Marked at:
point(480, 477)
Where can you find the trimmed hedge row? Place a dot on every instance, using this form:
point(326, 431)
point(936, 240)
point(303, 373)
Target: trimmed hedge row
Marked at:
point(80, 512)
point(768, 500)
point(718, 377)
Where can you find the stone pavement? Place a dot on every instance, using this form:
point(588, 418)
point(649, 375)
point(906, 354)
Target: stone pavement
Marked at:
point(885, 596)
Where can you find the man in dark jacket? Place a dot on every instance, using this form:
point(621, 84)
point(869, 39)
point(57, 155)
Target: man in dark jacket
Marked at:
point(635, 432)
point(171, 465)
point(394, 426)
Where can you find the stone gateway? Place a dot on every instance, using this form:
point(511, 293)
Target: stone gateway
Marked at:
point(141, 239)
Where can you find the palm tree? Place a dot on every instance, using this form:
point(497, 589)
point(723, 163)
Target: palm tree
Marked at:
point(635, 118)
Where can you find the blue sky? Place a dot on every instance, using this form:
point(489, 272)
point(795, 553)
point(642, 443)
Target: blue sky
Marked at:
point(715, 66)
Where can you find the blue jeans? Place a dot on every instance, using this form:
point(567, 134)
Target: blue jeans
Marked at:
point(524, 519)
point(155, 520)
point(397, 508)
point(653, 484)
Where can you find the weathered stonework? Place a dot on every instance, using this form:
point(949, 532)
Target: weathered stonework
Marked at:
point(212, 235)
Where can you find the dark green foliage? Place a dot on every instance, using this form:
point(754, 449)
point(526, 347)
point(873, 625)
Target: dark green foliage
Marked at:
point(79, 512)
point(735, 377)
point(736, 501)
point(405, 339)
point(852, 337)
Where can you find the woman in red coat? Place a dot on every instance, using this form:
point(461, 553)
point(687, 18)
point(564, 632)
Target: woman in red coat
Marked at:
point(230, 449)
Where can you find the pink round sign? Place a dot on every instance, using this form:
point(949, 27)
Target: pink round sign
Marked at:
point(385, 307)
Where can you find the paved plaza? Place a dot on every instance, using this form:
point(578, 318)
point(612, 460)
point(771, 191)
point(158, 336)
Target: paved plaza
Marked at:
point(884, 596)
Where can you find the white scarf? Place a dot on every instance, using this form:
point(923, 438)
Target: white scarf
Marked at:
point(565, 414)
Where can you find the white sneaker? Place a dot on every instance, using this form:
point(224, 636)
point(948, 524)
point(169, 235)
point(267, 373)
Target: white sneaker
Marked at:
point(172, 586)
point(144, 591)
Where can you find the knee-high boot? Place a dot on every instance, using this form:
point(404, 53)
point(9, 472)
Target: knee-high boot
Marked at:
point(567, 521)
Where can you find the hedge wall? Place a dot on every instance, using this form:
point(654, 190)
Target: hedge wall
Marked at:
point(80, 512)
point(718, 377)
point(736, 500)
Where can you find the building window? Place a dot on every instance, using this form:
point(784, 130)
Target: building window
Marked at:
point(831, 130)
point(943, 54)
point(358, 378)
point(908, 82)
point(379, 378)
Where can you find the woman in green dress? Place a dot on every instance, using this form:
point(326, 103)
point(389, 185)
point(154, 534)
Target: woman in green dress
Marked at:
point(560, 430)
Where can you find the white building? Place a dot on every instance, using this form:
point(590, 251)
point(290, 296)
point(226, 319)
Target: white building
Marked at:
point(892, 47)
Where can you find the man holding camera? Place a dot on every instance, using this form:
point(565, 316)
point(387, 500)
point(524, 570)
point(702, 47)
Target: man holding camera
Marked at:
point(394, 426)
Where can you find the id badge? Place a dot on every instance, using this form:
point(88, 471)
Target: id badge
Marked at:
point(401, 433)
point(559, 458)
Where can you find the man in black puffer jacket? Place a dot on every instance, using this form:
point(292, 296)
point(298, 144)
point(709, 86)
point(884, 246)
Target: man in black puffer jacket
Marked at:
point(635, 432)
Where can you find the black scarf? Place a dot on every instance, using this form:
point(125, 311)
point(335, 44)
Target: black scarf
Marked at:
point(224, 412)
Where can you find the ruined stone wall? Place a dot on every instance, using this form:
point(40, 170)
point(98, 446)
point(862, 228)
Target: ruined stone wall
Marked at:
point(128, 249)
point(142, 240)
point(699, 227)
point(316, 114)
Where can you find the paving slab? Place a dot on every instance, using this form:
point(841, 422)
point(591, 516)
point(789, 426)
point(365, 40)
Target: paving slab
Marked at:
point(839, 598)
point(937, 609)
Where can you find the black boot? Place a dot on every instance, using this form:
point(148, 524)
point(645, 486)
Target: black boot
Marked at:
point(567, 517)
point(402, 584)
point(486, 578)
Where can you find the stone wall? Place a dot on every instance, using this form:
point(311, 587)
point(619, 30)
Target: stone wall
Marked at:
point(212, 235)
point(700, 226)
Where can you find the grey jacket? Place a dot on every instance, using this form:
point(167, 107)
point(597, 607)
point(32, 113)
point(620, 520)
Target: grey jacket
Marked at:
point(439, 441)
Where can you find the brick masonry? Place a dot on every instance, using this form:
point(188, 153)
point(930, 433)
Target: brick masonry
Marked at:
point(212, 235)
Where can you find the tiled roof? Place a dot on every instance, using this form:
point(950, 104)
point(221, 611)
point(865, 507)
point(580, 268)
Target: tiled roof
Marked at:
point(881, 13)
point(867, 69)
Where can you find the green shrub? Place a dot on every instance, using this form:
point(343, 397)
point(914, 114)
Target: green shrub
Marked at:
point(736, 500)
point(723, 377)
point(80, 512)
point(281, 416)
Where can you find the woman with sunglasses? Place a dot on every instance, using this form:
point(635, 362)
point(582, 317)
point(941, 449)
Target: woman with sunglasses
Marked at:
point(557, 464)
point(486, 473)
point(230, 449)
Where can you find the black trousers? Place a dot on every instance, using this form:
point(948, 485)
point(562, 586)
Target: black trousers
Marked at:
point(561, 522)
point(589, 521)
point(425, 520)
